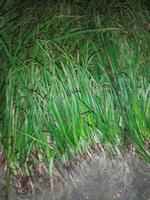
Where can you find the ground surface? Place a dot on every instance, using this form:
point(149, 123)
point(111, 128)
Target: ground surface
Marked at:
point(120, 178)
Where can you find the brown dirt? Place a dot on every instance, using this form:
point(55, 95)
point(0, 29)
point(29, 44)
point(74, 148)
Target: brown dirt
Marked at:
point(119, 178)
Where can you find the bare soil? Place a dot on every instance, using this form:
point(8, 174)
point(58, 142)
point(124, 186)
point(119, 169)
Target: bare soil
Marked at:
point(104, 178)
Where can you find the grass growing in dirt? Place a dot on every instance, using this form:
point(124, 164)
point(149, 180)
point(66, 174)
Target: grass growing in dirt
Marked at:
point(73, 75)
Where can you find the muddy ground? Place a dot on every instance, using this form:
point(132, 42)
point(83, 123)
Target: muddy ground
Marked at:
point(119, 178)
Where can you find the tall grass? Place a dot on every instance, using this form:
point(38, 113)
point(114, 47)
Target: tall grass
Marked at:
point(73, 78)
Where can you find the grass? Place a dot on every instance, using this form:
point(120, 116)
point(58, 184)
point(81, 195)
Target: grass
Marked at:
point(72, 77)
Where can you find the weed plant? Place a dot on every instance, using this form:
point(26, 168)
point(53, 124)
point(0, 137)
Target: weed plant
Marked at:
point(73, 75)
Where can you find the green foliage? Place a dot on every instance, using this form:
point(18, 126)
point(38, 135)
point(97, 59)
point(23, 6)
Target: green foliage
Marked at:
point(70, 79)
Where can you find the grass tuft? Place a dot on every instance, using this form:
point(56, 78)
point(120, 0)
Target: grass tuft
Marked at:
point(72, 78)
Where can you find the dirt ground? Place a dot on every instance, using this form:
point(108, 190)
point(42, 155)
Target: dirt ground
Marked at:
point(119, 178)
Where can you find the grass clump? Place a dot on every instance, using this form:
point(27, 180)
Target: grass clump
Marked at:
point(71, 79)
